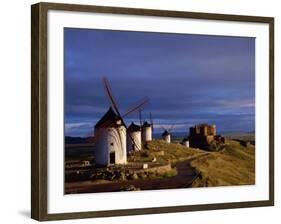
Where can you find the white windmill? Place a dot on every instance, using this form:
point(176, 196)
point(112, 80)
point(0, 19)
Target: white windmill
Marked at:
point(111, 133)
point(185, 142)
point(166, 135)
point(146, 132)
point(134, 143)
point(146, 129)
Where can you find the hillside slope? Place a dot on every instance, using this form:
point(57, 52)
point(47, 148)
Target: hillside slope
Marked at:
point(235, 165)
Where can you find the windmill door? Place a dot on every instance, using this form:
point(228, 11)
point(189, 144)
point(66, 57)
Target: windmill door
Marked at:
point(112, 157)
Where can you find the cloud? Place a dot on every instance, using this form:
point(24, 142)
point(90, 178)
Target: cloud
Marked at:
point(69, 126)
point(244, 103)
point(83, 129)
point(188, 78)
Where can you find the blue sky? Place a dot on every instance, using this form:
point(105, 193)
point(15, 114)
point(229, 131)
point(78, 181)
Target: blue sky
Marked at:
point(189, 79)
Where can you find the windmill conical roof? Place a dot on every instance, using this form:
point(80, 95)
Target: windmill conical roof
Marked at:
point(108, 120)
point(146, 124)
point(165, 133)
point(133, 127)
point(185, 139)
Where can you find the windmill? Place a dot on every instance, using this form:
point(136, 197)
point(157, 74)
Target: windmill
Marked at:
point(134, 131)
point(111, 132)
point(146, 128)
point(166, 135)
point(185, 142)
point(146, 132)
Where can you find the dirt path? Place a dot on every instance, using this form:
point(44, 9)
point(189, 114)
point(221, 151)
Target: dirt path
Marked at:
point(184, 178)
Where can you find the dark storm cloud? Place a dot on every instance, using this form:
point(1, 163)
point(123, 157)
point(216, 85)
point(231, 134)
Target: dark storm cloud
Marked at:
point(188, 78)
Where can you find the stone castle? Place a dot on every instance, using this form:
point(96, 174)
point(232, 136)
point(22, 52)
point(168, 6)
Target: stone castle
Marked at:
point(204, 136)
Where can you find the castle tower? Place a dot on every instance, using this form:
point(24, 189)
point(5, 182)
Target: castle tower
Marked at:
point(204, 130)
point(213, 129)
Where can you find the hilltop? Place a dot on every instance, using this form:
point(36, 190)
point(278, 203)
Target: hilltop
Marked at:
point(234, 165)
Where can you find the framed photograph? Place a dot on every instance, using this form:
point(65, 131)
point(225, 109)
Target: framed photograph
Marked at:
point(140, 111)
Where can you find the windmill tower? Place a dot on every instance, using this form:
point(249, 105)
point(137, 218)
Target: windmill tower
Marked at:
point(134, 144)
point(185, 142)
point(111, 133)
point(166, 135)
point(146, 132)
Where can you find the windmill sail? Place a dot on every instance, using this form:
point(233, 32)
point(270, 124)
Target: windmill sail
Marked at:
point(115, 107)
point(138, 106)
point(140, 117)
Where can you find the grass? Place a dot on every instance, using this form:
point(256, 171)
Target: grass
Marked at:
point(164, 153)
point(170, 173)
point(235, 165)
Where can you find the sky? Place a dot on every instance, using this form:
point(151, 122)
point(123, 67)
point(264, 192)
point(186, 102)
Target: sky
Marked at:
point(189, 79)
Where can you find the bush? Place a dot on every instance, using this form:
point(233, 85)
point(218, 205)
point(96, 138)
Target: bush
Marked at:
point(129, 188)
point(144, 153)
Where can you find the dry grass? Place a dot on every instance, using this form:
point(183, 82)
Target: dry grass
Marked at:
point(235, 165)
point(165, 153)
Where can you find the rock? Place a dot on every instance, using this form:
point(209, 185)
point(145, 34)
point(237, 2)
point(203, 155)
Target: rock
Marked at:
point(132, 176)
point(142, 175)
point(144, 154)
point(135, 176)
point(129, 176)
point(112, 177)
point(152, 176)
point(145, 166)
point(129, 188)
point(123, 176)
